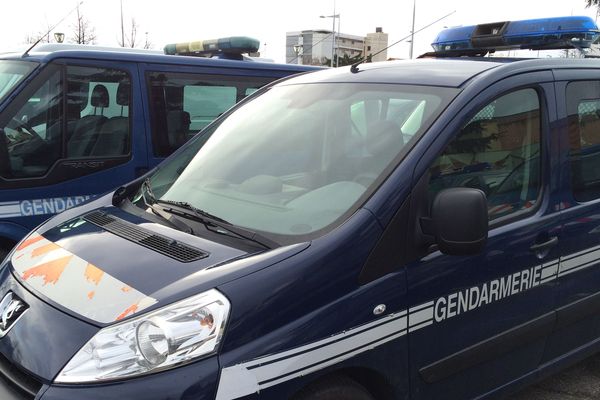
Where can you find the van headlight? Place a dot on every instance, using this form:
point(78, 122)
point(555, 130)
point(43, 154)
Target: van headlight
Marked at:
point(168, 337)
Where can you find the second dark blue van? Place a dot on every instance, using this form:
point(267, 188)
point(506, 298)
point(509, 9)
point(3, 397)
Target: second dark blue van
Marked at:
point(76, 120)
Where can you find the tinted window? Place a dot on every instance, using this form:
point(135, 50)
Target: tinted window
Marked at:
point(205, 103)
point(183, 104)
point(85, 115)
point(497, 151)
point(583, 107)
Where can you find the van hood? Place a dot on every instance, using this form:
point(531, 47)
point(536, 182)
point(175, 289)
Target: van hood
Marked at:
point(108, 265)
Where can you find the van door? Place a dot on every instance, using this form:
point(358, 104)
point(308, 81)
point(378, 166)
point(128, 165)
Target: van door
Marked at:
point(578, 316)
point(183, 100)
point(70, 135)
point(479, 321)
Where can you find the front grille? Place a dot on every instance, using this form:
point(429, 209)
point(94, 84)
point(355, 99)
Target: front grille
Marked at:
point(16, 384)
point(161, 244)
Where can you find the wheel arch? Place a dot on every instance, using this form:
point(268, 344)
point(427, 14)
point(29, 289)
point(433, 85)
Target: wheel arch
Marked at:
point(374, 382)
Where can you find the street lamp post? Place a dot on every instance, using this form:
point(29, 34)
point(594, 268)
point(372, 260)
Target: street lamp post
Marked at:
point(333, 17)
point(412, 32)
point(122, 27)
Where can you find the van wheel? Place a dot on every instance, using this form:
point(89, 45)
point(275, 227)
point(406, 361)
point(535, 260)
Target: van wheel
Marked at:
point(334, 388)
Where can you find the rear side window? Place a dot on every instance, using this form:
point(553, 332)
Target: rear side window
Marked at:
point(182, 104)
point(72, 113)
point(583, 108)
point(498, 152)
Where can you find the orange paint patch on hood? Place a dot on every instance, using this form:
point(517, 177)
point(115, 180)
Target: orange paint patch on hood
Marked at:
point(50, 271)
point(93, 274)
point(44, 249)
point(130, 310)
point(30, 241)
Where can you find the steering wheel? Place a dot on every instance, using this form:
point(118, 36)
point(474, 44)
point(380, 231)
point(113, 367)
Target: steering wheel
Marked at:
point(26, 127)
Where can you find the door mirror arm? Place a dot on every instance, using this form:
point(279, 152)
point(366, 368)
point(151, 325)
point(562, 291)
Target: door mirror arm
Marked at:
point(427, 227)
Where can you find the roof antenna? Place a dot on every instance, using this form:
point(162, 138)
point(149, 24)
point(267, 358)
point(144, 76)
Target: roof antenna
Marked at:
point(354, 67)
point(50, 30)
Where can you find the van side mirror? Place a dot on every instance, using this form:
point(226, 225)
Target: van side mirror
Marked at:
point(459, 218)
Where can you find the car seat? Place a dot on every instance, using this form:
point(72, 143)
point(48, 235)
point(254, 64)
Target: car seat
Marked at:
point(87, 128)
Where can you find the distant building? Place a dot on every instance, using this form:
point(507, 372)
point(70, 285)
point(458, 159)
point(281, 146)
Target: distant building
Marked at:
point(309, 47)
point(314, 47)
point(376, 42)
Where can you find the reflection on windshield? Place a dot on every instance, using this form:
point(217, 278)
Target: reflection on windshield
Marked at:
point(11, 73)
point(298, 158)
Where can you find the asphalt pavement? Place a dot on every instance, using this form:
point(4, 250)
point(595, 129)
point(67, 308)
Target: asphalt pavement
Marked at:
point(580, 382)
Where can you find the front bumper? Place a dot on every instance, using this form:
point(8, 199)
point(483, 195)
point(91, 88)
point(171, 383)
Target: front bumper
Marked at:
point(197, 381)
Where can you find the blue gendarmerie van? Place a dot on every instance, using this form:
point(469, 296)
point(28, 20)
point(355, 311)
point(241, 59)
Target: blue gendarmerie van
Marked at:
point(79, 120)
point(421, 230)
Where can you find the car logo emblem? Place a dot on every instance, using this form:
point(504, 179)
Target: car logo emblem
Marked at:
point(11, 309)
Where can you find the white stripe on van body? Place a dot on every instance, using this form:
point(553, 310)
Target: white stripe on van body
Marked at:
point(10, 209)
point(250, 377)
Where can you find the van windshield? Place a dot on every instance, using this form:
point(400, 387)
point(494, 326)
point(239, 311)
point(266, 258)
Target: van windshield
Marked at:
point(298, 158)
point(12, 73)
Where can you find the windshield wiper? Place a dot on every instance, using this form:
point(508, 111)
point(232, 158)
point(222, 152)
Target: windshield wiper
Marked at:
point(173, 221)
point(194, 210)
point(217, 224)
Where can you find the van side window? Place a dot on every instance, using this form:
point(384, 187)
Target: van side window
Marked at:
point(182, 104)
point(97, 112)
point(85, 115)
point(583, 108)
point(497, 151)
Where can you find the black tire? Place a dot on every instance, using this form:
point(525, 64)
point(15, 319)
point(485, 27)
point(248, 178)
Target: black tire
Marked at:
point(336, 387)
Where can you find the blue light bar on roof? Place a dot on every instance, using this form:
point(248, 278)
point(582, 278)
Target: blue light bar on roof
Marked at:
point(232, 45)
point(535, 34)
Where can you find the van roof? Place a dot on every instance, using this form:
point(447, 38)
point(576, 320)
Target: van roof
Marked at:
point(49, 52)
point(448, 72)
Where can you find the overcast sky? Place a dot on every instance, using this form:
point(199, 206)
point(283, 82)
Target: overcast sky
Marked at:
point(268, 20)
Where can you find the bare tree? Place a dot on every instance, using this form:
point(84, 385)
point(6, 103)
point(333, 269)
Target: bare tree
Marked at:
point(83, 31)
point(45, 37)
point(131, 39)
point(148, 43)
point(41, 37)
point(30, 39)
point(593, 3)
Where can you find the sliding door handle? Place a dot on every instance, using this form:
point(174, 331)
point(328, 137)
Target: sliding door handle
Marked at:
point(553, 241)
